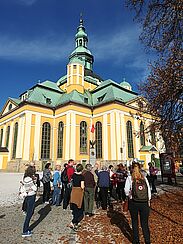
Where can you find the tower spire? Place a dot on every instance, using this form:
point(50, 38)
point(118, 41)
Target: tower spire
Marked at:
point(81, 50)
point(81, 18)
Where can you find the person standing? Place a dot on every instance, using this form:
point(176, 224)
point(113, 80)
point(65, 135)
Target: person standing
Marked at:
point(138, 191)
point(46, 183)
point(76, 199)
point(103, 183)
point(121, 175)
point(70, 171)
point(30, 188)
point(64, 180)
point(56, 186)
point(153, 177)
point(89, 191)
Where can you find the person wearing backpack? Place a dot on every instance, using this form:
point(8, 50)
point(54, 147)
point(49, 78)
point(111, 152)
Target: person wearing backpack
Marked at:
point(64, 180)
point(138, 191)
point(30, 188)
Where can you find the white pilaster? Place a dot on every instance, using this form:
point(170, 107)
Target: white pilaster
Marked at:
point(82, 76)
point(68, 75)
point(73, 136)
point(20, 138)
point(4, 136)
point(37, 138)
point(28, 117)
point(137, 139)
point(105, 138)
point(71, 77)
point(10, 140)
point(123, 136)
point(77, 77)
point(52, 152)
point(118, 136)
point(113, 136)
point(67, 144)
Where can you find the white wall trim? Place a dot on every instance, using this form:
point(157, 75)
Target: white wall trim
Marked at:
point(21, 126)
point(4, 136)
point(10, 140)
point(105, 138)
point(137, 139)
point(67, 144)
point(123, 136)
point(113, 136)
point(118, 136)
point(73, 136)
point(28, 120)
point(37, 138)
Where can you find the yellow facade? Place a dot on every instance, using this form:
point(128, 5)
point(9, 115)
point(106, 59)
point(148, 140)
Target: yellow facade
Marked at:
point(67, 101)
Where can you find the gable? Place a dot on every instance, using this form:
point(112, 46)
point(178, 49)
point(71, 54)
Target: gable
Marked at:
point(138, 103)
point(9, 105)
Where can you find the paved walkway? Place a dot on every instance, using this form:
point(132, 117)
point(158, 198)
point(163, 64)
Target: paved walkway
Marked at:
point(50, 223)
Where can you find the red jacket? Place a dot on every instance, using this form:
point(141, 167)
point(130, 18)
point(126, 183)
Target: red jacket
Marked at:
point(70, 172)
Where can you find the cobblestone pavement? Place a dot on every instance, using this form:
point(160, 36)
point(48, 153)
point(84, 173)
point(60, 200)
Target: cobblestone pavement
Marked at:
point(49, 225)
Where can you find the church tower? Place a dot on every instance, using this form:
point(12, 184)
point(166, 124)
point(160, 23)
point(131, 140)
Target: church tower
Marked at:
point(81, 50)
point(80, 60)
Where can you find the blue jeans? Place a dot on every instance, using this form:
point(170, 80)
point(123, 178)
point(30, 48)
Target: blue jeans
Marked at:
point(56, 195)
point(30, 202)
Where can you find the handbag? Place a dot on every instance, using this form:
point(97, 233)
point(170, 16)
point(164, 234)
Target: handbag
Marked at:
point(125, 205)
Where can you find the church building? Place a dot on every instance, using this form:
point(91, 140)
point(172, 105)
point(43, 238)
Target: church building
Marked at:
point(80, 116)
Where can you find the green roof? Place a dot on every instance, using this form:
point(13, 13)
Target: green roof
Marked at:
point(62, 80)
point(49, 94)
point(77, 97)
point(76, 60)
point(124, 84)
point(80, 33)
point(81, 49)
point(15, 100)
point(148, 148)
point(51, 85)
point(111, 91)
point(43, 96)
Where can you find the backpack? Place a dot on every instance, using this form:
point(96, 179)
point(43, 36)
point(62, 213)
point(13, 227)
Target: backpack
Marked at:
point(64, 176)
point(139, 190)
point(22, 191)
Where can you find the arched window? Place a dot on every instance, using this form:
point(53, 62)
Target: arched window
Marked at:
point(7, 136)
point(98, 139)
point(142, 134)
point(83, 137)
point(1, 138)
point(60, 139)
point(45, 145)
point(15, 140)
point(130, 139)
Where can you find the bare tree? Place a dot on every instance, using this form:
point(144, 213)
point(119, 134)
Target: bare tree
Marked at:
point(162, 22)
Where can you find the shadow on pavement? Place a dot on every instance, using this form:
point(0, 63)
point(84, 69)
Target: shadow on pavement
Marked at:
point(2, 216)
point(43, 213)
point(39, 202)
point(121, 221)
point(168, 218)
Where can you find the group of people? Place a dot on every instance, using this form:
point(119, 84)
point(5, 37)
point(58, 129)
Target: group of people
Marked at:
point(79, 187)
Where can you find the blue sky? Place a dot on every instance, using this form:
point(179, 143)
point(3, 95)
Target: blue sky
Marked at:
point(37, 36)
